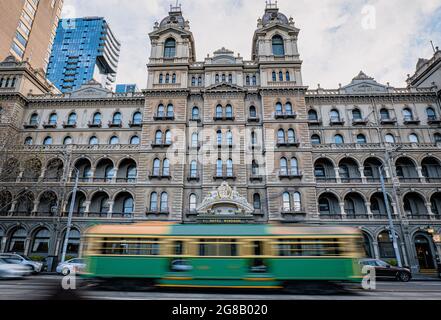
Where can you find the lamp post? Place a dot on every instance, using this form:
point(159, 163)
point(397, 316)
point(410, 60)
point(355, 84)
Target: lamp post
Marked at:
point(69, 219)
point(389, 216)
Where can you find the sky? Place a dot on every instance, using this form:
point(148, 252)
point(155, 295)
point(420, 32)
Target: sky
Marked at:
point(338, 38)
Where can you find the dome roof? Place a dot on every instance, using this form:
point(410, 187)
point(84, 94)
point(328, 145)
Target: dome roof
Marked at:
point(272, 16)
point(174, 19)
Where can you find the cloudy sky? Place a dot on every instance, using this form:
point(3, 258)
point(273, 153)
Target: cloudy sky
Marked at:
point(338, 38)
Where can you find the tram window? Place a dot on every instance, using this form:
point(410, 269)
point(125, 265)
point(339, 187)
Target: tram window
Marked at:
point(217, 248)
point(308, 247)
point(121, 246)
point(178, 248)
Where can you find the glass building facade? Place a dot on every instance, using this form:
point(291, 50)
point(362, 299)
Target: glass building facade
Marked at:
point(126, 88)
point(83, 49)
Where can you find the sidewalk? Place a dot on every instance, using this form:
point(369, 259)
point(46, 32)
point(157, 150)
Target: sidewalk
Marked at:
point(424, 277)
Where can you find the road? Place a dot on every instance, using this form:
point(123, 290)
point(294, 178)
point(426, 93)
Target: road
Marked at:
point(44, 287)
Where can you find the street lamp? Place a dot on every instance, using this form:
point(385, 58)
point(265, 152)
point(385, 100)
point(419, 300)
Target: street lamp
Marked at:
point(69, 219)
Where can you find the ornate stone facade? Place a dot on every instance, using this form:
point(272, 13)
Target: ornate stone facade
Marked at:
point(223, 140)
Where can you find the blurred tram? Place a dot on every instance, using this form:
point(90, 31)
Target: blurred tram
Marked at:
point(163, 254)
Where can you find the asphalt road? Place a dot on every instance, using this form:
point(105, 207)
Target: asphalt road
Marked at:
point(44, 287)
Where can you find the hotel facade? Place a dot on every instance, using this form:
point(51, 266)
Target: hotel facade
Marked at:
point(223, 140)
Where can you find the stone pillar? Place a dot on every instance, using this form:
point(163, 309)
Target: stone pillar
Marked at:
point(43, 173)
point(109, 213)
point(403, 254)
point(342, 210)
point(337, 174)
point(420, 174)
point(19, 177)
point(387, 172)
point(87, 208)
point(368, 210)
point(429, 209)
point(13, 205)
point(376, 249)
point(35, 210)
point(27, 246)
point(363, 178)
point(394, 209)
point(115, 174)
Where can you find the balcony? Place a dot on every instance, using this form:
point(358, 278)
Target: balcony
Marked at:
point(97, 214)
point(156, 176)
point(288, 174)
point(161, 145)
point(164, 117)
point(254, 119)
point(356, 122)
point(409, 179)
point(336, 122)
point(193, 178)
point(388, 121)
point(126, 180)
point(115, 124)
point(288, 144)
point(285, 116)
point(135, 124)
point(418, 216)
point(294, 215)
point(353, 216)
point(32, 125)
point(50, 125)
point(255, 177)
point(331, 216)
point(411, 120)
point(94, 124)
point(75, 214)
point(351, 180)
point(157, 212)
point(326, 179)
point(224, 118)
point(433, 120)
point(69, 125)
point(122, 215)
point(314, 122)
point(383, 216)
point(198, 120)
point(228, 176)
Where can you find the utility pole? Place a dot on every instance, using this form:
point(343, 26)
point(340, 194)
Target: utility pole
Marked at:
point(69, 220)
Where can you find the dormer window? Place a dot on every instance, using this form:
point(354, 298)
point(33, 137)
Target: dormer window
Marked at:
point(170, 48)
point(278, 46)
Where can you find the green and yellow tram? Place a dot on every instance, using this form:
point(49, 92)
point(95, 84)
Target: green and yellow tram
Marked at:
point(222, 256)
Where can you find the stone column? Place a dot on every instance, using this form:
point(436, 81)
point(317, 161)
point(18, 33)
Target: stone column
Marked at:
point(342, 210)
point(35, 210)
point(43, 173)
point(376, 249)
point(109, 213)
point(337, 174)
point(368, 210)
point(420, 174)
point(3, 244)
point(19, 177)
point(13, 205)
point(403, 254)
point(115, 174)
point(387, 172)
point(87, 208)
point(394, 209)
point(429, 209)
point(363, 178)
point(27, 246)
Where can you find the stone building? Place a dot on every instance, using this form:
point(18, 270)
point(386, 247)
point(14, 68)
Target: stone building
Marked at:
point(224, 140)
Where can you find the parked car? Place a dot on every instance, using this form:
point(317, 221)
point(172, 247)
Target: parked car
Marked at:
point(9, 269)
point(69, 266)
point(34, 266)
point(384, 270)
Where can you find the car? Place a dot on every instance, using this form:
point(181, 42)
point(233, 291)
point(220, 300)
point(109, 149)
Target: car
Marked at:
point(34, 266)
point(72, 265)
point(384, 270)
point(9, 269)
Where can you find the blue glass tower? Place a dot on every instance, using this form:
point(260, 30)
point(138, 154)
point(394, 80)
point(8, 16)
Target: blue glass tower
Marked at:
point(83, 49)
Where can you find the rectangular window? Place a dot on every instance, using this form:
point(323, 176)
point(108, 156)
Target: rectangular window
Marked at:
point(21, 39)
point(218, 248)
point(309, 247)
point(135, 246)
point(24, 28)
point(17, 50)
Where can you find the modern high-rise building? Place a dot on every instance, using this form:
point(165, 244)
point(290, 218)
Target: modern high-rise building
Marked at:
point(84, 49)
point(28, 28)
point(126, 88)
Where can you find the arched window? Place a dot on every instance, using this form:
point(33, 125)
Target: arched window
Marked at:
point(41, 242)
point(132, 173)
point(280, 76)
point(167, 78)
point(17, 241)
point(93, 140)
point(219, 169)
point(156, 167)
point(33, 119)
point(128, 205)
point(116, 118)
point(219, 111)
point(335, 116)
point(109, 172)
point(407, 114)
point(193, 202)
point(161, 110)
point(257, 204)
point(195, 113)
point(219, 137)
point(114, 140)
point(158, 137)
point(97, 118)
point(229, 168)
point(170, 111)
point(229, 111)
point(153, 202)
point(47, 141)
point(200, 81)
point(312, 115)
point(356, 114)
point(413, 138)
point(170, 48)
point(217, 78)
point(324, 206)
point(281, 136)
point(297, 202)
point(72, 119)
point(291, 136)
point(431, 115)
point(253, 138)
point(164, 202)
point(230, 78)
point(168, 137)
point(253, 112)
point(294, 166)
point(389, 138)
point(67, 140)
point(193, 81)
point(338, 139)
point(166, 168)
point(254, 80)
point(315, 139)
point(361, 139)
point(278, 46)
point(53, 119)
point(283, 166)
point(288, 108)
point(229, 138)
point(174, 78)
point(29, 141)
point(194, 140)
point(279, 108)
point(384, 114)
point(161, 78)
point(194, 169)
point(248, 80)
point(254, 168)
point(286, 202)
point(274, 76)
point(134, 140)
point(224, 78)
point(288, 77)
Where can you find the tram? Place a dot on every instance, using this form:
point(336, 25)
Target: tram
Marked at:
point(165, 254)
